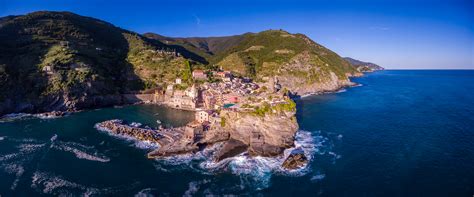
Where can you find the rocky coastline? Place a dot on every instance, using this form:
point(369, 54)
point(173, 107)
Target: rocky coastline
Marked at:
point(265, 130)
point(258, 136)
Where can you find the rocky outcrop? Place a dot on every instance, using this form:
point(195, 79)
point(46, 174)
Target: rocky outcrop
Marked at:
point(265, 136)
point(231, 148)
point(295, 160)
point(118, 127)
point(171, 141)
point(215, 135)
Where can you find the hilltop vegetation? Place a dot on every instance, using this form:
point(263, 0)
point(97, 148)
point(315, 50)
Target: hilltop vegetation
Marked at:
point(63, 61)
point(259, 54)
point(301, 65)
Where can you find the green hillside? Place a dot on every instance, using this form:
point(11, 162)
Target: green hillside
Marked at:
point(49, 58)
point(63, 61)
point(263, 54)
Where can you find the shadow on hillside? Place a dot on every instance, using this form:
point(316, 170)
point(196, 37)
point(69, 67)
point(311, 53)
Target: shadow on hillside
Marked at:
point(101, 47)
point(181, 50)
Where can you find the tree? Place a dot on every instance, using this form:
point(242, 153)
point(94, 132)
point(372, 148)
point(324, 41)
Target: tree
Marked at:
point(186, 74)
point(250, 66)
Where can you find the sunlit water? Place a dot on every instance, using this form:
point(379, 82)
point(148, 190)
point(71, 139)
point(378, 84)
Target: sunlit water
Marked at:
point(402, 133)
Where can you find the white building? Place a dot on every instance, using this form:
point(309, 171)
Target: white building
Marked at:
point(203, 116)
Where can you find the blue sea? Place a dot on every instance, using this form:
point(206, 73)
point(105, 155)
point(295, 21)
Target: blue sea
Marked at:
point(399, 133)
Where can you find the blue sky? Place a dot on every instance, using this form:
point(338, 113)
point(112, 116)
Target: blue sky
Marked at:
point(394, 34)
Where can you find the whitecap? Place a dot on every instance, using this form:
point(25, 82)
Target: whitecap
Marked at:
point(318, 177)
point(194, 187)
point(53, 138)
point(29, 148)
point(13, 117)
point(2, 138)
point(145, 193)
point(81, 154)
point(23, 140)
point(9, 156)
point(15, 169)
point(49, 184)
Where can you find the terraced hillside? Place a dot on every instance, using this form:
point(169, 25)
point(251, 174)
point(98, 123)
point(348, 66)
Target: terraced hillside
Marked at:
point(300, 64)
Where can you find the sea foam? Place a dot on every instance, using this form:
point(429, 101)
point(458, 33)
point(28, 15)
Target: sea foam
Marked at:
point(81, 151)
point(56, 185)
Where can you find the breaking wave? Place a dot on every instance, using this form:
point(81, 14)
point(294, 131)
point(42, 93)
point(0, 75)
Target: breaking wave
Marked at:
point(146, 192)
point(81, 151)
point(194, 186)
point(51, 184)
point(21, 116)
point(317, 177)
point(14, 117)
point(13, 163)
point(17, 170)
point(341, 90)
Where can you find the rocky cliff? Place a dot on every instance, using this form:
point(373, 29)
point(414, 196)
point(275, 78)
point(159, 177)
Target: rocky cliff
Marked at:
point(266, 135)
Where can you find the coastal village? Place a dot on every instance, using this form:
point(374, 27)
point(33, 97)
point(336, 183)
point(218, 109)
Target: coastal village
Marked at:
point(211, 101)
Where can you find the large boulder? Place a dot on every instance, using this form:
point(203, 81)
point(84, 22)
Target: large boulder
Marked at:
point(266, 136)
point(295, 160)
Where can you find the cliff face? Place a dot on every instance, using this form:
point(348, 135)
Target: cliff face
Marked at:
point(266, 136)
point(306, 73)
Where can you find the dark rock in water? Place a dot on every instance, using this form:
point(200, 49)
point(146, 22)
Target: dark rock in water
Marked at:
point(54, 114)
point(231, 148)
point(295, 160)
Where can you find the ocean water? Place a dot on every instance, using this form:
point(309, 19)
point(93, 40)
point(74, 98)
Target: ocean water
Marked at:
point(401, 133)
